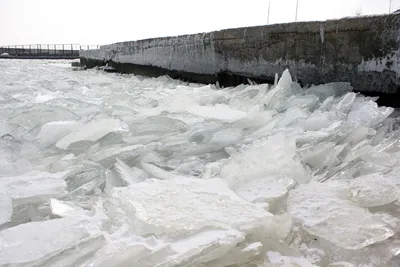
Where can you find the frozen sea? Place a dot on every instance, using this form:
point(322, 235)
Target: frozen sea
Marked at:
point(108, 170)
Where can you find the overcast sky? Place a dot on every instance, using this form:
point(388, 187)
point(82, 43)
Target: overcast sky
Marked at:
point(103, 22)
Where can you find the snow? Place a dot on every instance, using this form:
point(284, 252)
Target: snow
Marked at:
point(103, 169)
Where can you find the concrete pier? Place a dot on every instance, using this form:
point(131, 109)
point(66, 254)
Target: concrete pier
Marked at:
point(364, 51)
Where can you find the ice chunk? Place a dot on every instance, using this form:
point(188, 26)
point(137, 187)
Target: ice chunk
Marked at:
point(275, 98)
point(341, 264)
point(156, 172)
point(286, 80)
point(321, 155)
point(6, 208)
point(40, 241)
point(128, 175)
point(33, 187)
point(275, 259)
point(316, 121)
point(219, 112)
point(219, 140)
point(180, 206)
point(204, 247)
point(53, 131)
point(65, 208)
point(345, 103)
point(305, 102)
point(367, 113)
point(326, 90)
point(324, 212)
point(255, 119)
point(275, 156)
point(270, 189)
point(92, 132)
point(358, 134)
point(107, 155)
point(121, 254)
point(373, 190)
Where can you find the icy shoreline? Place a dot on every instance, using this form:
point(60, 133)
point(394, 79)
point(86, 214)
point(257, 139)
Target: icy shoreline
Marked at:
point(108, 170)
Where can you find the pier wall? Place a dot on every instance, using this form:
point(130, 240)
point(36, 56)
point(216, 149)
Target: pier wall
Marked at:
point(364, 51)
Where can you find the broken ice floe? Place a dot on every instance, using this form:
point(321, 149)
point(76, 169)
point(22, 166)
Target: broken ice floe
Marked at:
point(104, 170)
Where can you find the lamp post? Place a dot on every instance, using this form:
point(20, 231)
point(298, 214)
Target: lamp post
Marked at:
point(269, 9)
point(297, 9)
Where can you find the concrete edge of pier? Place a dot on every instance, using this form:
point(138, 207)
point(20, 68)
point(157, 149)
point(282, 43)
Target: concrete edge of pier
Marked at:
point(364, 51)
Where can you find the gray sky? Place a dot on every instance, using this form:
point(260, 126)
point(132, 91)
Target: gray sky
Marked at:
point(103, 22)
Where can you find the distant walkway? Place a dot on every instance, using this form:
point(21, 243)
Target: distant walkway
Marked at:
point(44, 51)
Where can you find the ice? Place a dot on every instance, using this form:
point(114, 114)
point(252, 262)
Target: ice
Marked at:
point(327, 90)
point(274, 156)
point(220, 112)
point(38, 243)
point(107, 155)
point(92, 132)
point(33, 187)
point(103, 169)
point(275, 259)
point(271, 190)
point(179, 206)
point(340, 221)
point(6, 208)
point(316, 121)
point(129, 175)
point(373, 190)
point(367, 113)
point(65, 208)
point(51, 132)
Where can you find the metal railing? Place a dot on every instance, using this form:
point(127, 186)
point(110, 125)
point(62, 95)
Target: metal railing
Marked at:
point(44, 50)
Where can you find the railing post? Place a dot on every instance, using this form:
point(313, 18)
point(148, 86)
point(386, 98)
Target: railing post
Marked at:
point(30, 49)
point(48, 49)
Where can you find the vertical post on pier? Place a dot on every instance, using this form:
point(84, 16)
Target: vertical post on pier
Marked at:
point(55, 50)
point(63, 49)
point(72, 51)
point(48, 50)
point(40, 49)
point(15, 50)
point(269, 10)
point(30, 49)
point(297, 9)
point(390, 6)
point(9, 50)
point(87, 47)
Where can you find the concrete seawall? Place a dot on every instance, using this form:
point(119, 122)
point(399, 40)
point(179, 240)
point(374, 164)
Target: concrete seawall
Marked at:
point(363, 50)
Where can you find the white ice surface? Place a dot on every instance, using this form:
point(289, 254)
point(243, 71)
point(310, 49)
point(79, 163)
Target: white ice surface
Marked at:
point(103, 169)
